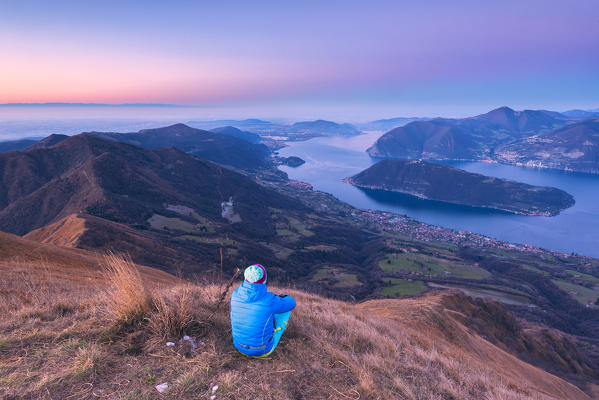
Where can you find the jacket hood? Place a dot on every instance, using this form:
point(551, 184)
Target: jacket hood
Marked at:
point(250, 292)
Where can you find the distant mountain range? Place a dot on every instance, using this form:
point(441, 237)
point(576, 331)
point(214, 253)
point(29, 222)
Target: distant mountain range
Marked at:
point(328, 127)
point(226, 145)
point(322, 127)
point(222, 148)
point(244, 123)
point(387, 124)
point(15, 145)
point(501, 135)
point(443, 183)
point(582, 113)
point(528, 137)
point(295, 131)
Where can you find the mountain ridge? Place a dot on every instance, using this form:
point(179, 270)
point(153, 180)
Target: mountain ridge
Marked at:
point(221, 148)
point(231, 130)
point(465, 138)
point(327, 126)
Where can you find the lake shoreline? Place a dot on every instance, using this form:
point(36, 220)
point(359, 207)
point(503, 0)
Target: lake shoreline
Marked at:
point(329, 160)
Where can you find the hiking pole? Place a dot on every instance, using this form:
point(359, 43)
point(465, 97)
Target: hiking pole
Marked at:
point(223, 294)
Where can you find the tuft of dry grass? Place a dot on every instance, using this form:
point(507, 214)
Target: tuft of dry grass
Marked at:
point(87, 361)
point(128, 299)
point(174, 313)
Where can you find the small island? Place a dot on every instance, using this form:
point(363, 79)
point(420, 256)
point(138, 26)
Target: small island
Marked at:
point(452, 185)
point(292, 161)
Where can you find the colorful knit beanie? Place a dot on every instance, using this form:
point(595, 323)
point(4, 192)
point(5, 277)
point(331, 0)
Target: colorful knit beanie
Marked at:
point(255, 274)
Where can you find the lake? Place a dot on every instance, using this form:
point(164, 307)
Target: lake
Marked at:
point(576, 229)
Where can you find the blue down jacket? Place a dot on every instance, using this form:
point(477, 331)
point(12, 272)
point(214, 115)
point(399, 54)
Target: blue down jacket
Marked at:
point(252, 310)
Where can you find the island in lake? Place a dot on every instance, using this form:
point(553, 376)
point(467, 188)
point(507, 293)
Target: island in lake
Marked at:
point(443, 183)
point(292, 161)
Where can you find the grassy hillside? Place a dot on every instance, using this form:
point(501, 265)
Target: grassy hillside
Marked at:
point(81, 328)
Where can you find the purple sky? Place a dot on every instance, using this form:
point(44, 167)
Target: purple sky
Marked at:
point(343, 59)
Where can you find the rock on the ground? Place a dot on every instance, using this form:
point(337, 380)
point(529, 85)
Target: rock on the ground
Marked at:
point(162, 387)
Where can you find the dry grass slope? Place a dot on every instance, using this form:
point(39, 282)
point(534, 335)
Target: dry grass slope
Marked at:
point(65, 232)
point(77, 344)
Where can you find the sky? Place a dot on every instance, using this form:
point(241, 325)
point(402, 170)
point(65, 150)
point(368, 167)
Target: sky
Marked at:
point(347, 60)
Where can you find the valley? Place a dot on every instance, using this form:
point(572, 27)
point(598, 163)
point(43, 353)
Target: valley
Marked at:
point(167, 209)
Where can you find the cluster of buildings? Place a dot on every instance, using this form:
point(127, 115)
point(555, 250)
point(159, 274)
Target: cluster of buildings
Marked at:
point(425, 232)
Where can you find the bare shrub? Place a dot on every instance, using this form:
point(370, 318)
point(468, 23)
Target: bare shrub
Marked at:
point(128, 299)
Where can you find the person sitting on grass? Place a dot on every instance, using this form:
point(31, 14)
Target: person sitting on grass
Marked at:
point(258, 317)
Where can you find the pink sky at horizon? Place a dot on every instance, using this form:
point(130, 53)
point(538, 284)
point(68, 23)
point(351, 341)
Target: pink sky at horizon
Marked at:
point(423, 57)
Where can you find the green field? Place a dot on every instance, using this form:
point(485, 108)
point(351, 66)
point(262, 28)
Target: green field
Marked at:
point(183, 210)
point(429, 265)
point(402, 287)
point(582, 294)
point(322, 247)
point(545, 260)
point(495, 295)
point(171, 224)
point(287, 235)
point(213, 240)
point(190, 212)
point(293, 230)
point(535, 269)
point(299, 227)
point(583, 276)
point(511, 289)
point(400, 262)
point(337, 277)
point(281, 252)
